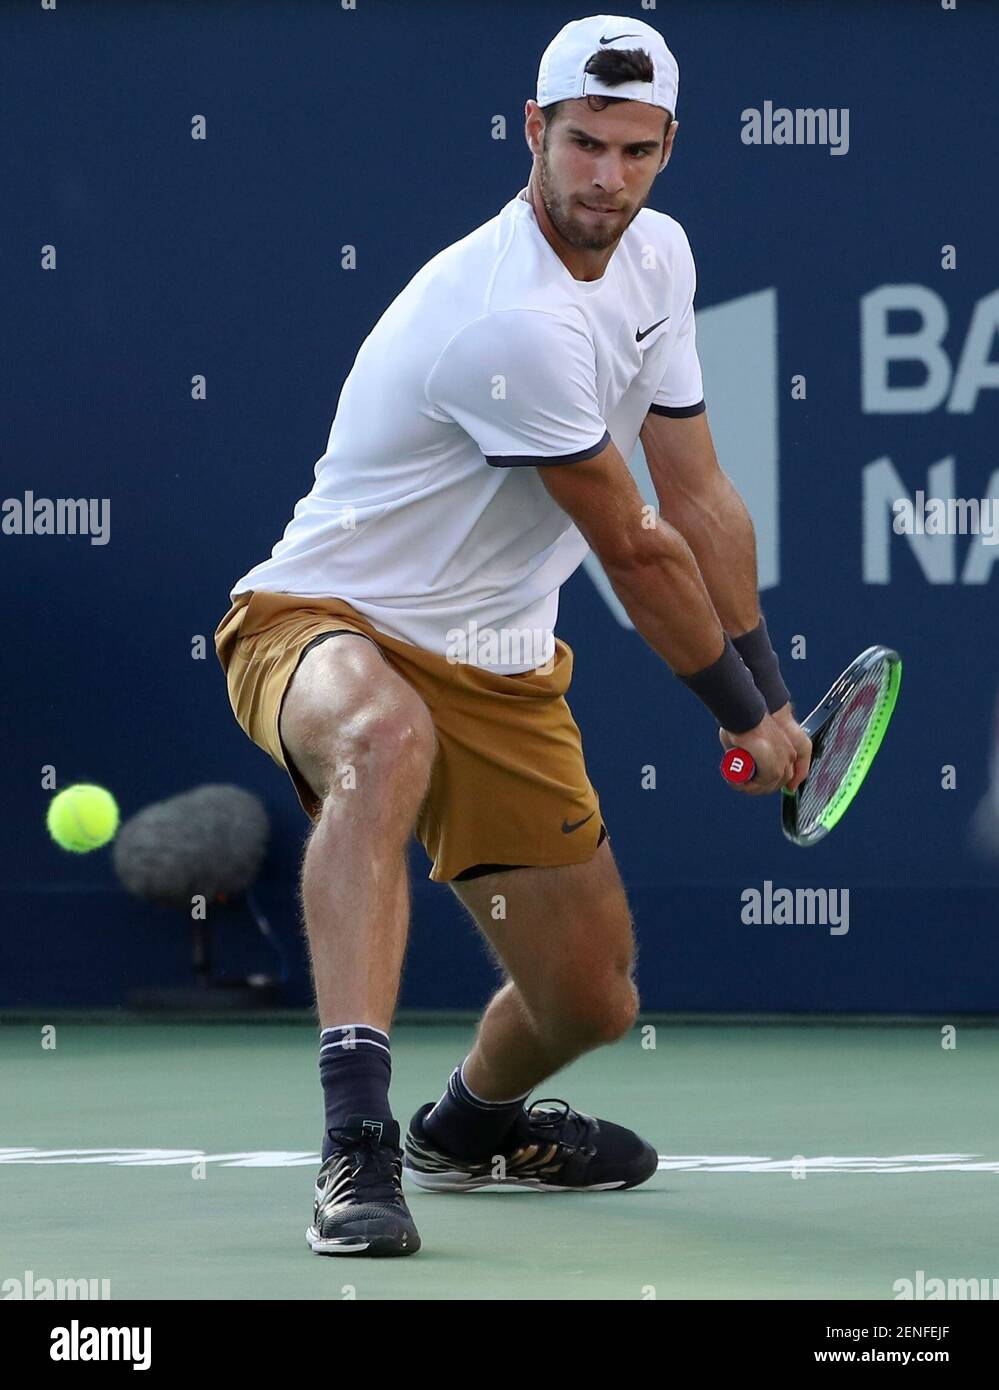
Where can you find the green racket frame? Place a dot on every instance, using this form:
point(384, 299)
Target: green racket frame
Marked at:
point(817, 726)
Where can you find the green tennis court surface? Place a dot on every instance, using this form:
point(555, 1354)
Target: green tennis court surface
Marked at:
point(898, 1140)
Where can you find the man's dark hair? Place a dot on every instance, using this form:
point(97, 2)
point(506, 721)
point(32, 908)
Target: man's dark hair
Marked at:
point(612, 66)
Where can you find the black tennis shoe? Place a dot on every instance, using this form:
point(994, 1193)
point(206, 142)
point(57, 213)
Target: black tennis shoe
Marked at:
point(359, 1207)
point(554, 1150)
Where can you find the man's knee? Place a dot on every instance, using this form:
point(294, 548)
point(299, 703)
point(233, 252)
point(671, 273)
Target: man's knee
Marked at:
point(350, 721)
point(607, 1011)
point(620, 1012)
point(383, 755)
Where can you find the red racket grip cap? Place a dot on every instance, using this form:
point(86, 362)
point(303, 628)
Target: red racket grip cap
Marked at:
point(738, 766)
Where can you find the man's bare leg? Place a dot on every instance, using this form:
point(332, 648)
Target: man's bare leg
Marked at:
point(567, 943)
point(364, 741)
point(566, 940)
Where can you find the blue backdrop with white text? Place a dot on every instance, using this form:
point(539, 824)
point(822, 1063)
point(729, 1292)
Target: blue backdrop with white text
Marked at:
point(376, 127)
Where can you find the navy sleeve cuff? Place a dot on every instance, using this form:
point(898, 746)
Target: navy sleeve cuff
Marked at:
point(522, 460)
point(678, 412)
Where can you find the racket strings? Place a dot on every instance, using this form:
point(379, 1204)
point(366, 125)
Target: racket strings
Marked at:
point(842, 750)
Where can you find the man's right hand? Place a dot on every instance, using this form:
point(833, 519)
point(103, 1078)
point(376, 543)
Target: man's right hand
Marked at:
point(772, 751)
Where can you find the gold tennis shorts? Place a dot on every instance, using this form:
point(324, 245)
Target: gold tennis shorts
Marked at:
point(509, 784)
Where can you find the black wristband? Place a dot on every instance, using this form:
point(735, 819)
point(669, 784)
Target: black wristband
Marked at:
point(757, 652)
point(727, 688)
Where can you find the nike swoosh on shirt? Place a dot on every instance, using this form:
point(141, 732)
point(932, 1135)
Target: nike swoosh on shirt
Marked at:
point(641, 333)
point(567, 829)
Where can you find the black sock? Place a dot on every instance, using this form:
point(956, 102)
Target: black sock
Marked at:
point(355, 1066)
point(464, 1124)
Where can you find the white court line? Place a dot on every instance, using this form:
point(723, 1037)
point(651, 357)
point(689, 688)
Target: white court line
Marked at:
point(673, 1163)
point(162, 1158)
point(895, 1163)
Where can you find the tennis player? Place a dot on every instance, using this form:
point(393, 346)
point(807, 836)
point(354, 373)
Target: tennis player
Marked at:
point(397, 654)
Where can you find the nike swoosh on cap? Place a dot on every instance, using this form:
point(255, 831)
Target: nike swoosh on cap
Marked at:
point(619, 36)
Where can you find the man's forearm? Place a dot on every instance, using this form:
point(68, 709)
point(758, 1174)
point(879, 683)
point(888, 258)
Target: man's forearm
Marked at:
point(663, 593)
point(665, 596)
point(719, 531)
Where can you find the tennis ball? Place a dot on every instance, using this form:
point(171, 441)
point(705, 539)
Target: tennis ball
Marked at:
point(82, 818)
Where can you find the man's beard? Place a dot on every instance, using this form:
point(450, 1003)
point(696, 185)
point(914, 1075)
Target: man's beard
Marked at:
point(569, 223)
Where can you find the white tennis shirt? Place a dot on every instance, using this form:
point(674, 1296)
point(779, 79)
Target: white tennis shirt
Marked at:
point(427, 513)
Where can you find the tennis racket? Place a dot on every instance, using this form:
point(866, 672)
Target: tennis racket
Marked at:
point(846, 728)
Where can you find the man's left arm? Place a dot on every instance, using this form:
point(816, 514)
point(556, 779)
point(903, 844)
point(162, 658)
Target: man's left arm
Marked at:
point(699, 500)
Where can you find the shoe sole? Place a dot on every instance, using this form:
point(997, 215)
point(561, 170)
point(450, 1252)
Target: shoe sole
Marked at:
point(462, 1182)
point(378, 1244)
point(455, 1180)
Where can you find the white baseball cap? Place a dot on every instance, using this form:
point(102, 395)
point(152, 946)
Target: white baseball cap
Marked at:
point(561, 75)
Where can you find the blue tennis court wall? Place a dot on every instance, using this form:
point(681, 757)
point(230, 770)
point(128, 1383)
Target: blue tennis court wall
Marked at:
point(822, 265)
